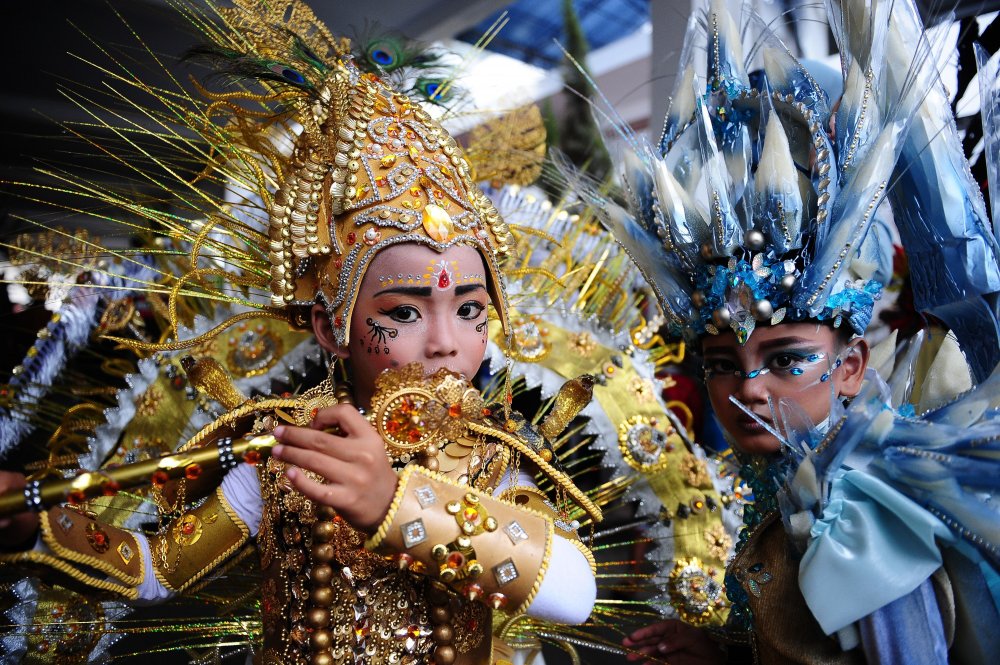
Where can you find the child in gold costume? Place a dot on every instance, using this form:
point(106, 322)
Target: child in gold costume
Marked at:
point(398, 510)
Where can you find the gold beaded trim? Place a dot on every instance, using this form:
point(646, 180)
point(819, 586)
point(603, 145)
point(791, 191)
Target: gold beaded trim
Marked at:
point(127, 592)
point(550, 532)
point(580, 545)
point(383, 529)
point(231, 417)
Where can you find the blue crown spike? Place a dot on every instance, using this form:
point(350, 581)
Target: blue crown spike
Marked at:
point(989, 102)
point(681, 108)
point(763, 218)
point(777, 201)
point(851, 217)
point(786, 76)
point(685, 227)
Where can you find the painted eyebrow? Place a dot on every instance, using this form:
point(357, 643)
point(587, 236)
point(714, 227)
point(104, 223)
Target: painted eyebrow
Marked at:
point(764, 346)
point(787, 341)
point(462, 289)
point(422, 291)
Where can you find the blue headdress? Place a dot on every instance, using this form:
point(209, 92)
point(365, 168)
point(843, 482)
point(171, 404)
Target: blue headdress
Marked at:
point(759, 203)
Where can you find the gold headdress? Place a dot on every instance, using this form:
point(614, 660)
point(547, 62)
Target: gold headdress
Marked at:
point(313, 163)
point(369, 169)
point(377, 171)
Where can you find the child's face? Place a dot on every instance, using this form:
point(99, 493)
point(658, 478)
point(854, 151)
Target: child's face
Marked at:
point(417, 304)
point(787, 361)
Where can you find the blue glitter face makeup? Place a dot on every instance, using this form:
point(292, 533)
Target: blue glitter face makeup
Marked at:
point(783, 363)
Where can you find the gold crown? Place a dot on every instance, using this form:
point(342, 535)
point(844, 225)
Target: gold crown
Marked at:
point(373, 170)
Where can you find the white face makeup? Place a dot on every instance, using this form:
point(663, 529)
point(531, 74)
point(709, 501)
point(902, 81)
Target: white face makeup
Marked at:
point(418, 305)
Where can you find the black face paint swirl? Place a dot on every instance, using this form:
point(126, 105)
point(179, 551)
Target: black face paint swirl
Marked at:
point(481, 327)
point(378, 336)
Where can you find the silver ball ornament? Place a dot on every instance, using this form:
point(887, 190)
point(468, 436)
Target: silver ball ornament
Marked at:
point(698, 299)
point(788, 282)
point(763, 309)
point(721, 317)
point(707, 252)
point(753, 240)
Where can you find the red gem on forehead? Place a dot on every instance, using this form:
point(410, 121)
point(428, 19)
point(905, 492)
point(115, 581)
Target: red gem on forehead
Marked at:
point(444, 281)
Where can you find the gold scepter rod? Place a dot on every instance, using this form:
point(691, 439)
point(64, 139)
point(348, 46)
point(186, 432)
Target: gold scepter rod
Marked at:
point(226, 454)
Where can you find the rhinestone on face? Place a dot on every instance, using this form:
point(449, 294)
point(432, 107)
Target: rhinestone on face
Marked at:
point(414, 533)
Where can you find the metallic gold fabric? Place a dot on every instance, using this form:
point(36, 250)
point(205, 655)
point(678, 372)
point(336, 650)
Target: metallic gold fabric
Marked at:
point(509, 545)
point(784, 628)
point(85, 553)
point(197, 542)
point(376, 609)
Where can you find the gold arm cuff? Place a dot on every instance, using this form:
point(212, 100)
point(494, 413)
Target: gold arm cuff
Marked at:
point(75, 538)
point(76, 574)
point(197, 542)
point(483, 547)
point(535, 499)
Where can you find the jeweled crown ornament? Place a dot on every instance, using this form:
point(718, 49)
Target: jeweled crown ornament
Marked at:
point(752, 210)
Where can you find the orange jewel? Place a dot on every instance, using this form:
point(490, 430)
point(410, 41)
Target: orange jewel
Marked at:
point(252, 457)
point(192, 471)
point(455, 410)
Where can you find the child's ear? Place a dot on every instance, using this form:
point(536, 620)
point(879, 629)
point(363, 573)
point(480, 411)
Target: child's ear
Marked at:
point(323, 330)
point(855, 362)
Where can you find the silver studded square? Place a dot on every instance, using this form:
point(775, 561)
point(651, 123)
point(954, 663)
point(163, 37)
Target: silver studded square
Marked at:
point(505, 572)
point(65, 522)
point(425, 496)
point(414, 533)
point(515, 532)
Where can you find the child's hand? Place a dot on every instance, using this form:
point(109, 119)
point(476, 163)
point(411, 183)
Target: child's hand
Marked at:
point(360, 481)
point(674, 642)
point(16, 532)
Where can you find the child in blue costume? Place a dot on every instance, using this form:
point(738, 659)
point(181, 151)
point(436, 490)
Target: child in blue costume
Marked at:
point(872, 536)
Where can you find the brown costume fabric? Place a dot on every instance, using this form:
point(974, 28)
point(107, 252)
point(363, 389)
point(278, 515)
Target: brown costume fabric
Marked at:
point(785, 631)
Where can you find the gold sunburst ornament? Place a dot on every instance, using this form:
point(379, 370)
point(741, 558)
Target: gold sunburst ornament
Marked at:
point(414, 413)
point(643, 442)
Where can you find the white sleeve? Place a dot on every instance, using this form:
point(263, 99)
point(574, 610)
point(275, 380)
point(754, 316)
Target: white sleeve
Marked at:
point(241, 487)
point(569, 589)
